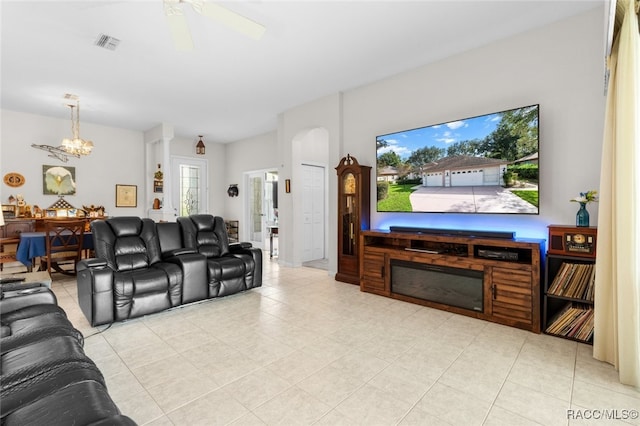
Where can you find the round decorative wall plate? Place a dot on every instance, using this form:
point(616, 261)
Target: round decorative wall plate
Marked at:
point(14, 179)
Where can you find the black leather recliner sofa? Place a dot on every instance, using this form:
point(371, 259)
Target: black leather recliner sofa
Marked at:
point(231, 268)
point(46, 378)
point(142, 267)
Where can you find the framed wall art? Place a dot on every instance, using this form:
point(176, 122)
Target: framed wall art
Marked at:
point(126, 195)
point(58, 180)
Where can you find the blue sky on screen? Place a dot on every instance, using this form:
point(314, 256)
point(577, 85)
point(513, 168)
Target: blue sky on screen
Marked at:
point(440, 135)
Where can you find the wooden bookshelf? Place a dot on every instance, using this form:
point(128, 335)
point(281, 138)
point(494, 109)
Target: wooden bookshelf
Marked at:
point(569, 291)
point(575, 321)
point(574, 280)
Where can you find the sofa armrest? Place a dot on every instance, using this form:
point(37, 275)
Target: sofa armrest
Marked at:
point(91, 263)
point(239, 250)
point(17, 299)
point(118, 420)
point(239, 246)
point(95, 291)
point(19, 286)
point(178, 252)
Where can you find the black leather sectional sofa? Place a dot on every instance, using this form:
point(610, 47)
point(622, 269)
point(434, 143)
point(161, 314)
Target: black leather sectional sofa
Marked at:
point(46, 378)
point(142, 267)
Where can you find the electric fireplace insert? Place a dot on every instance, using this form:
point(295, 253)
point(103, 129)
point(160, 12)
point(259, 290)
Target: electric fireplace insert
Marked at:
point(441, 284)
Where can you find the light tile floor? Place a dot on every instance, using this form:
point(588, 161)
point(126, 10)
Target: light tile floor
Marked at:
point(304, 349)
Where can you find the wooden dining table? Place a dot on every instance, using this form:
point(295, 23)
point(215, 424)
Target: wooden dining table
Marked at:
point(32, 246)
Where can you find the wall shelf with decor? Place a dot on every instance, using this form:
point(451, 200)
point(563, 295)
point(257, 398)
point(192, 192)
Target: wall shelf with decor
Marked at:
point(569, 284)
point(158, 180)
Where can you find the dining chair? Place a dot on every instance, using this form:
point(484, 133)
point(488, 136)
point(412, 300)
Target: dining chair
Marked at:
point(63, 243)
point(8, 247)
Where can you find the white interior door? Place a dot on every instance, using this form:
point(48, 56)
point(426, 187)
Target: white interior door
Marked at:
point(313, 212)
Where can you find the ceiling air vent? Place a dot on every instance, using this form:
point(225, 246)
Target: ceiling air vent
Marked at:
point(107, 42)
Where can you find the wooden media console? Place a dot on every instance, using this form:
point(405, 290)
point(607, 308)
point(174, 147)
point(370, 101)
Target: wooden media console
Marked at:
point(495, 279)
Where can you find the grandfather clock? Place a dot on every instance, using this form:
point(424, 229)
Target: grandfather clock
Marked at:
point(354, 186)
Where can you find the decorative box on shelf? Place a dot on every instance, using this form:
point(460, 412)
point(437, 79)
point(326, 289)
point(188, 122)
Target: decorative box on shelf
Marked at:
point(573, 240)
point(232, 230)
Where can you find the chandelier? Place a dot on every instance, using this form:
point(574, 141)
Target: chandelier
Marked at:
point(75, 146)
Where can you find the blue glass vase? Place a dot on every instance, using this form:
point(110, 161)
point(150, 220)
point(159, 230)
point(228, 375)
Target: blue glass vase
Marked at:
point(582, 217)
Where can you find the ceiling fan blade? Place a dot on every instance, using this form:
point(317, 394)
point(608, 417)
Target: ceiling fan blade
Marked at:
point(178, 28)
point(231, 19)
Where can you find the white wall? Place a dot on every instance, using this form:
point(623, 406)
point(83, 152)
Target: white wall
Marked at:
point(559, 67)
point(215, 155)
point(117, 158)
point(323, 113)
point(256, 153)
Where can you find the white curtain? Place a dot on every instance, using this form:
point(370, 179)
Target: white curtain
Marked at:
point(617, 287)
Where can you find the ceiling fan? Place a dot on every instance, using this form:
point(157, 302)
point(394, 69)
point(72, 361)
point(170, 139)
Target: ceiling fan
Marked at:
point(180, 31)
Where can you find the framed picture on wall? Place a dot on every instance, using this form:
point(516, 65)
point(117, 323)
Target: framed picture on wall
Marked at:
point(58, 180)
point(126, 195)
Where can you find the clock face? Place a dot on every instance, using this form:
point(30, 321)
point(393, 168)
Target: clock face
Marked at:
point(579, 243)
point(350, 184)
point(579, 239)
point(574, 241)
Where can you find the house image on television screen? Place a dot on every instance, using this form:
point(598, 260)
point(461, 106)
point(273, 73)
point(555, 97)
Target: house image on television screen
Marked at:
point(483, 164)
point(465, 171)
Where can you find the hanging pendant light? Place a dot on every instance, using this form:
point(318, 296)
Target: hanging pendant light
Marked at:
point(200, 148)
point(74, 146)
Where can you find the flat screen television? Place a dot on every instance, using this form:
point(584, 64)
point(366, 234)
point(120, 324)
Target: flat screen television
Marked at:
point(483, 164)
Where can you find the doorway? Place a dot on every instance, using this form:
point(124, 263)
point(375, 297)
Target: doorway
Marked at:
point(308, 238)
point(262, 215)
point(189, 185)
point(313, 213)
